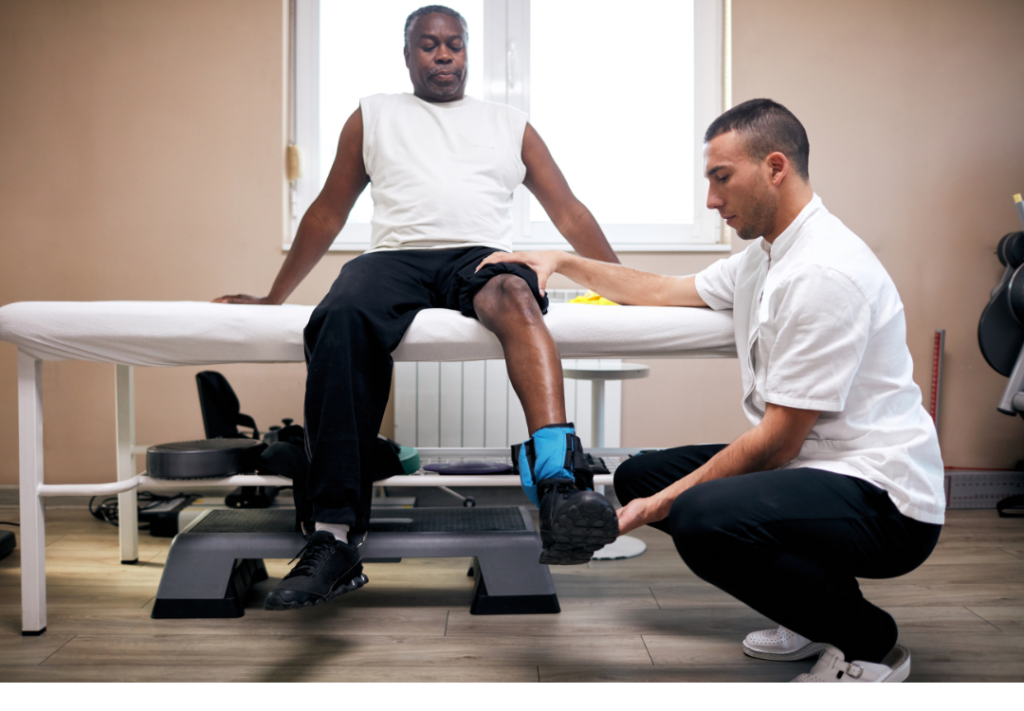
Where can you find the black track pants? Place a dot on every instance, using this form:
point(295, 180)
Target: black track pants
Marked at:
point(348, 343)
point(789, 543)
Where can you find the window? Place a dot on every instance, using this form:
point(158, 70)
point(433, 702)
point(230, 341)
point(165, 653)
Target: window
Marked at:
point(621, 95)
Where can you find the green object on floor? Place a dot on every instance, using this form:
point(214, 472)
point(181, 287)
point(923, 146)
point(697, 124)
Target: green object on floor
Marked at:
point(410, 459)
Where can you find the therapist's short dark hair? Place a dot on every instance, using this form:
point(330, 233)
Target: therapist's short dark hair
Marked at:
point(429, 10)
point(767, 127)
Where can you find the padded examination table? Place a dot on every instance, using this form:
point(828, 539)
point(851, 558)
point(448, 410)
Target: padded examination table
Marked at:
point(170, 333)
point(166, 334)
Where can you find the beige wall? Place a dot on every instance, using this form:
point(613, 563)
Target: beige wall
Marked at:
point(143, 159)
point(142, 150)
point(914, 110)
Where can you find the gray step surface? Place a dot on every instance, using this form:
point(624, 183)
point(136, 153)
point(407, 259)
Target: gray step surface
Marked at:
point(213, 562)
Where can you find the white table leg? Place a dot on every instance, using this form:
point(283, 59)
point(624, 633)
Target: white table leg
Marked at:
point(623, 546)
point(597, 420)
point(33, 524)
point(127, 506)
point(597, 413)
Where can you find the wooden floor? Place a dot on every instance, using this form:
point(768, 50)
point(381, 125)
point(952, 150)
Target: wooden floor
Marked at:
point(647, 619)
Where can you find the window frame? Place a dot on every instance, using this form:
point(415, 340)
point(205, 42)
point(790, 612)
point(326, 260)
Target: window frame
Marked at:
point(506, 79)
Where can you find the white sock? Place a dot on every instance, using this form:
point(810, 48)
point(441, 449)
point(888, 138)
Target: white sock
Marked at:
point(338, 530)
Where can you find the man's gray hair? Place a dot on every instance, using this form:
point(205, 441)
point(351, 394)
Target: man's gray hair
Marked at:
point(429, 10)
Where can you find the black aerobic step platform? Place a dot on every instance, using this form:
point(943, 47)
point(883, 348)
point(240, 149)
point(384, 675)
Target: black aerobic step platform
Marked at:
point(215, 560)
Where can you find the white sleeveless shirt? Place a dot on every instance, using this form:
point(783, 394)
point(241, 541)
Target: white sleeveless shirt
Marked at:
point(441, 175)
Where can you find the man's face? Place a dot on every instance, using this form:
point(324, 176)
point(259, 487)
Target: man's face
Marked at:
point(740, 188)
point(436, 57)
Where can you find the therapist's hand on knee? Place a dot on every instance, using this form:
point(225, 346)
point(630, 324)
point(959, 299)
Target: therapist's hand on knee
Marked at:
point(244, 299)
point(543, 263)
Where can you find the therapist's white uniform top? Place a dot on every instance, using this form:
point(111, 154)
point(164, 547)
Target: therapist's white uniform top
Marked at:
point(820, 326)
point(441, 175)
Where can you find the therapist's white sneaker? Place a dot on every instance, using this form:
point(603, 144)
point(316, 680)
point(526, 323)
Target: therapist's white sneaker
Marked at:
point(780, 645)
point(832, 667)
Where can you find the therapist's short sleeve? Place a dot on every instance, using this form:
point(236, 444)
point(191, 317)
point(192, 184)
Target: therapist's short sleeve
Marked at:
point(814, 339)
point(716, 285)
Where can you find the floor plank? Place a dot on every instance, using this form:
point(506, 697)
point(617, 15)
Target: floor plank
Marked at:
point(593, 622)
point(1015, 552)
point(735, 621)
point(754, 672)
point(975, 555)
point(926, 671)
point(934, 645)
point(18, 651)
point(699, 647)
point(693, 594)
point(574, 594)
point(882, 593)
point(94, 620)
point(1003, 617)
point(945, 617)
point(345, 650)
point(625, 598)
point(49, 673)
point(1012, 573)
point(887, 594)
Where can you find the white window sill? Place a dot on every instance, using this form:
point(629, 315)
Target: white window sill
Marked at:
point(623, 238)
point(619, 249)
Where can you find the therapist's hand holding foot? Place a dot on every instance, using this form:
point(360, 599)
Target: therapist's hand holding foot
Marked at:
point(640, 512)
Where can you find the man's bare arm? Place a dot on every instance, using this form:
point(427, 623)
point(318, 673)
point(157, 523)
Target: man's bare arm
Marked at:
point(324, 218)
point(622, 285)
point(571, 217)
point(774, 442)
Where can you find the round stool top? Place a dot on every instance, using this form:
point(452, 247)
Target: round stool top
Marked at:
point(621, 371)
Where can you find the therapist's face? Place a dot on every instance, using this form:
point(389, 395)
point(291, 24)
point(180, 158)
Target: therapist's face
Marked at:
point(740, 187)
point(436, 58)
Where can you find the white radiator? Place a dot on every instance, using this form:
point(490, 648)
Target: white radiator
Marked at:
point(472, 404)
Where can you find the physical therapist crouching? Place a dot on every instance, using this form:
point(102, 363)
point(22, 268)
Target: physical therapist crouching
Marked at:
point(841, 476)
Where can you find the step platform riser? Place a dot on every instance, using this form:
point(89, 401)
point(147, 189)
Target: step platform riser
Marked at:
point(213, 563)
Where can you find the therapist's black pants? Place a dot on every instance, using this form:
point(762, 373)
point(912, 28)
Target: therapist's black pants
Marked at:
point(348, 343)
point(789, 543)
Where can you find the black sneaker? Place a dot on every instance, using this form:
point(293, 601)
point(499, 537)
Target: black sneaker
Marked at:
point(573, 523)
point(327, 568)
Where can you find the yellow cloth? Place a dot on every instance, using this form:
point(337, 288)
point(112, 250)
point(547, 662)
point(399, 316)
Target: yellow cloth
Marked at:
point(591, 298)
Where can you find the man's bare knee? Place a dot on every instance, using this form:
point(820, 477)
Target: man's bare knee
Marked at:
point(505, 291)
point(505, 296)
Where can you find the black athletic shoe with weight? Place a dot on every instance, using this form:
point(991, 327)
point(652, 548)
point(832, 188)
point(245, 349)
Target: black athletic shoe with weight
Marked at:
point(326, 569)
point(574, 524)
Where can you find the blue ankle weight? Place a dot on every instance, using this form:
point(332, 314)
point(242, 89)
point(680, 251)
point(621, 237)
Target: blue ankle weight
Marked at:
point(550, 448)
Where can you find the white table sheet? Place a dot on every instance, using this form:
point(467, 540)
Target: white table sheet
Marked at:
point(174, 333)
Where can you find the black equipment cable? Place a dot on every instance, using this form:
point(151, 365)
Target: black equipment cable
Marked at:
point(107, 509)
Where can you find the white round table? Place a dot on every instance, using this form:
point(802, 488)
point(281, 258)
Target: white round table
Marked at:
point(624, 546)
